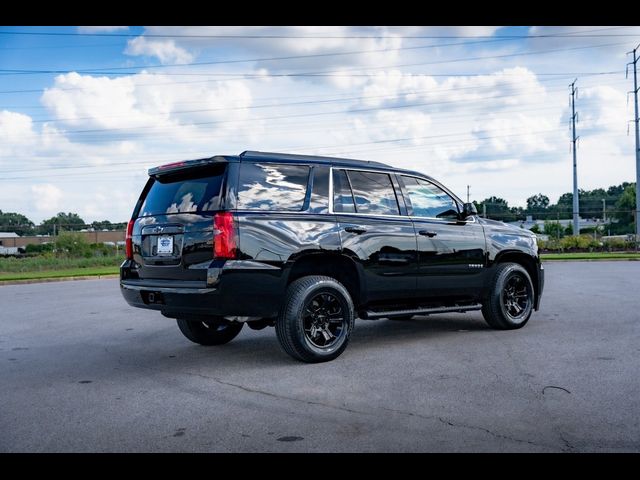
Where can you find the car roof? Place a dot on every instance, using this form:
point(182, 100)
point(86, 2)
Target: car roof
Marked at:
point(290, 157)
point(333, 161)
point(256, 156)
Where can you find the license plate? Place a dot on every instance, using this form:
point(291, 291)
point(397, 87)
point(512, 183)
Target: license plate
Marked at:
point(165, 245)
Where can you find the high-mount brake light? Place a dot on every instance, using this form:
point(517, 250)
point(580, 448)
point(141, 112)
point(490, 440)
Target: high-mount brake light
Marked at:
point(171, 165)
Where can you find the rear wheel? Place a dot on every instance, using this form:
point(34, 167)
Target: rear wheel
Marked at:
point(213, 331)
point(510, 301)
point(316, 319)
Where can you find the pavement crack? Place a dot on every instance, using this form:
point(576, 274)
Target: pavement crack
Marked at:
point(492, 433)
point(558, 388)
point(275, 395)
point(345, 409)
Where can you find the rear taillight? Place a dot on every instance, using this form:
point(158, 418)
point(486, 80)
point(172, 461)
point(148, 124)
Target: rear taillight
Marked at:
point(225, 243)
point(128, 241)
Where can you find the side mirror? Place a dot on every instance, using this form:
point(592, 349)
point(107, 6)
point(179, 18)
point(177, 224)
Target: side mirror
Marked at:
point(468, 209)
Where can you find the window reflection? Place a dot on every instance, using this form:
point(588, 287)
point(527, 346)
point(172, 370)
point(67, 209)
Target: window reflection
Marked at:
point(373, 193)
point(272, 187)
point(428, 200)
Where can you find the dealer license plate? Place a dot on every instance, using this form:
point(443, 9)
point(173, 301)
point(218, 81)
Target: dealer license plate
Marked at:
point(165, 245)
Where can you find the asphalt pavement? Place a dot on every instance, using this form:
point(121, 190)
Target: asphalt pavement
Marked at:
point(82, 371)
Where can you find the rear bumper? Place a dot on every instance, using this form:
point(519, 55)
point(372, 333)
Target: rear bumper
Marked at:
point(171, 300)
point(237, 288)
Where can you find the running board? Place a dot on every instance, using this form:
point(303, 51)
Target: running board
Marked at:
point(370, 315)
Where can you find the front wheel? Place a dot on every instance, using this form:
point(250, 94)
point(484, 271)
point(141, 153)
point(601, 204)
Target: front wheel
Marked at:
point(316, 319)
point(214, 331)
point(510, 301)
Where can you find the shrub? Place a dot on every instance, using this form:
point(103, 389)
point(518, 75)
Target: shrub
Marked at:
point(38, 248)
point(73, 245)
point(572, 242)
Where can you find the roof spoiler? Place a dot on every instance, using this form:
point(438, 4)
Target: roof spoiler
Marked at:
point(184, 165)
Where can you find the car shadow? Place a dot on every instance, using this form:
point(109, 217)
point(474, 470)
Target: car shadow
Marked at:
point(260, 350)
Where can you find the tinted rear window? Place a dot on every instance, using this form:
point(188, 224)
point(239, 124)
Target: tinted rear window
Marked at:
point(373, 193)
point(189, 192)
point(269, 186)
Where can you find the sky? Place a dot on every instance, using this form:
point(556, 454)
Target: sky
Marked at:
point(85, 111)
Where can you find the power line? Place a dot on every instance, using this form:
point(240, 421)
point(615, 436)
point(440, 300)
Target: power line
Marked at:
point(434, 91)
point(303, 148)
point(336, 73)
point(453, 75)
point(299, 115)
point(268, 36)
point(289, 57)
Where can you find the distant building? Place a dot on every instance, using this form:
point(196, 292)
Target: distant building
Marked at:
point(529, 222)
point(6, 235)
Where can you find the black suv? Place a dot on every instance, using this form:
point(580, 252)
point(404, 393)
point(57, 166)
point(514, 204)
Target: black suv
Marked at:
point(307, 244)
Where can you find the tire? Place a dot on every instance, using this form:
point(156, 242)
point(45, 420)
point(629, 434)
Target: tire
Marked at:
point(214, 331)
point(315, 308)
point(509, 303)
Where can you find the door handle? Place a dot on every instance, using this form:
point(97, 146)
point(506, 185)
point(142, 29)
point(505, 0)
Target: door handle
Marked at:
point(356, 230)
point(428, 233)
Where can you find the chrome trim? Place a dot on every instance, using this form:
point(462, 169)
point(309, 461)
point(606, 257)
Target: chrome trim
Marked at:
point(166, 289)
point(371, 315)
point(445, 190)
point(330, 190)
point(411, 217)
point(248, 265)
point(331, 212)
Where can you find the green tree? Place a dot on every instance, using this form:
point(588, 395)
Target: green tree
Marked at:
point(537, 204)
point(535, 228)
point(15, 222)
point(62, 221)
point(102, 225)
point(625, 207)
point(497, 209)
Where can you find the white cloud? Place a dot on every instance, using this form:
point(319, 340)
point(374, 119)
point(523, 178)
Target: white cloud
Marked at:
point(46, 197)
point(16, 133)
point(441, 110)
point(101, 29)
point(146, 105)
point(165, 50)
point(599, 109)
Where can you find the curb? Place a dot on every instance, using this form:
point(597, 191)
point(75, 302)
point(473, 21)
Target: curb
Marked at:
point(57, 279)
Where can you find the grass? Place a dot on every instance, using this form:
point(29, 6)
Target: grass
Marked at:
point(56, 267)
point(591, 256)
point(72, 272)
point(41, 267)
point(50, 262)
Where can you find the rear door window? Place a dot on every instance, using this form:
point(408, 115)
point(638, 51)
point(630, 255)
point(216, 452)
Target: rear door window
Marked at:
point(186, 192)
point(373, 193)
point(342, 196)
point(269, 186)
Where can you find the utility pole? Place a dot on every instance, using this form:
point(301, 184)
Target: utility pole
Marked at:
point(468, 193)
point(484, 210)
point(636, 120)
point(604, 211)
point(576, 225)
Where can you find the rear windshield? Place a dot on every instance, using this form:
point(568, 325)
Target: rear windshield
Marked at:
point(187, 192)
